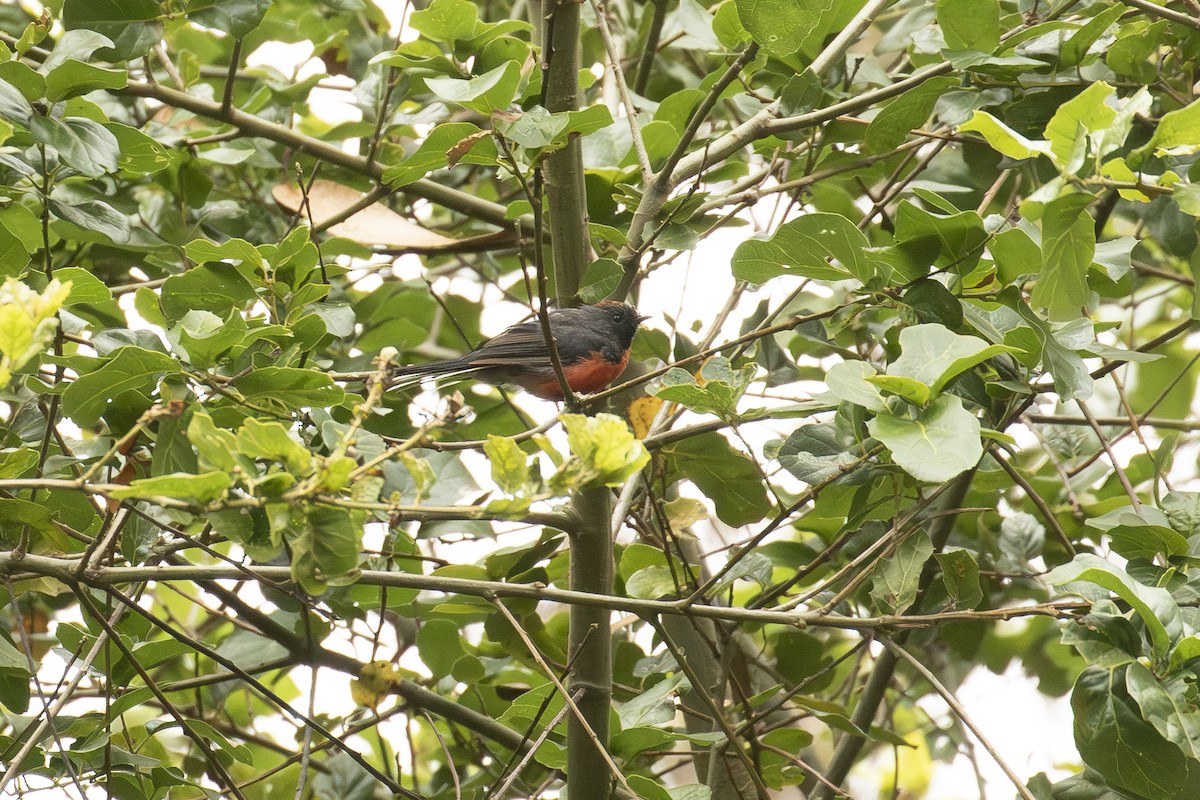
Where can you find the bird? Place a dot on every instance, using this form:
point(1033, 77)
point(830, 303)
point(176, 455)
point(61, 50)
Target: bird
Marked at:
point(592, 342)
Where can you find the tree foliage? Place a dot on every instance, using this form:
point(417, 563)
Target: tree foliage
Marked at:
point(940, 423)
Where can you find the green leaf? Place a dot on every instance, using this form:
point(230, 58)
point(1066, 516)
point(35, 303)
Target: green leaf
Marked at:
point(1178, 128)
point(652, 583)
point(1136, 538)
point(235, 17)
point(215, 446)
point(446, 20)
point(290, 386)
point(225, 750)
point(804, 247)
point(1071, 376)
point(1083, 114)
point(655, 706)
point(11, 659)
point(20, 236)
point(16, 462)
point(28, 322)
point(911, 110)
point(1184, 652)
point(747, 566)
point(272, 441)
point(1073, 50)
point(85, 287)
point(16, 513)
point(1183, 511)
point(238, 252)
point(510, 469)
point(718, 393)
point(815, 453)
point(629, 742)
point(84, 13)
point(328, 550)
point(538, 129)
point(935, 355)
point(960, 573)
point(970, 24)
point(1117, 742)
point(897, 578)
point(84, 144)
point(89, 214)
point(73, 78)
point(202, 336)
point(778, 767)
point(217, 288)
point(508, 562)
point(604, 452)
point(440, 646)
point(202, 488)
point(1168, 705)
point(723, 474)
point(923, 239)
point(421, 473)
point(434, 152)
point(782, 27)
point(1022, 538)
point(129, 369)
point(1003, 139)
point(599, 279)
point(910, 389)
point(79, 45)
point(491, 91)
point(140, 154)
point(646, 789)
point(1116, 256)
point(848, 381)
point(535, 128)
point(941, 443)
point(1068, 244)
point(1154, 605)
point(29, 83)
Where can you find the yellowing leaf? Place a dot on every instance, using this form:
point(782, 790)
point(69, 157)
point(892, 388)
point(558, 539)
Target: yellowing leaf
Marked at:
point(642, 412)
point(1004, 139)
point(509, 466)
point(375, 682)
point(603, 452)
point(27, 322)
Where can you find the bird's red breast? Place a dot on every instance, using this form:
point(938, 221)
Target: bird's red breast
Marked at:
point(584, 377)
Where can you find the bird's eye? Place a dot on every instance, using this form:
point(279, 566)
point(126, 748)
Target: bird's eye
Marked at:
point(617, 316)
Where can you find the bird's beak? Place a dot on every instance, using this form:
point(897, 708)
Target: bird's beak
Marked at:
point(641, 318)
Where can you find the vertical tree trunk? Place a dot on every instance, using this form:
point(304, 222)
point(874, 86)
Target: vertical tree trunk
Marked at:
point(564, 169)
point(590, 646)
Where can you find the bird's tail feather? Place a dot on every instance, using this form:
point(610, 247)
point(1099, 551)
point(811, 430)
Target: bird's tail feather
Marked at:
point(437, 371)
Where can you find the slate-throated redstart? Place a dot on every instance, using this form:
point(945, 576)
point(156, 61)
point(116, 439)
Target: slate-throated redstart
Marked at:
point(592, 343)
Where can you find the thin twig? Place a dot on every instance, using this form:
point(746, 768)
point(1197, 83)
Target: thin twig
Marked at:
point(1039, 501)
point(1165, 13)
point(568, 698)
point(960, 712)
point(1112, 457)
point(614, 63)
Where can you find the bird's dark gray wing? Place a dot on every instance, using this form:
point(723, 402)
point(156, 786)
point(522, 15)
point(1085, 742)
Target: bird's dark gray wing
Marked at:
point(521, 345)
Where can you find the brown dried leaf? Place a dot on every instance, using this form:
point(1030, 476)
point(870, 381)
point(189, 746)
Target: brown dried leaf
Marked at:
point(374, 225)
point(462, 148)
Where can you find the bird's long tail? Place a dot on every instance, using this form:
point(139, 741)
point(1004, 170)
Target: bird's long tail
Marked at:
point(411, 375)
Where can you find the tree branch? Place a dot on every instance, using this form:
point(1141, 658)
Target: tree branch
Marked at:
point(65, 570)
